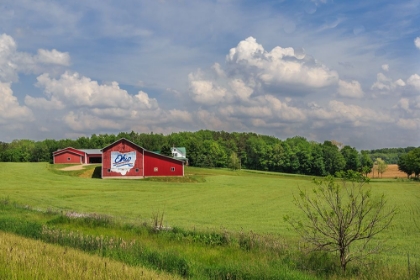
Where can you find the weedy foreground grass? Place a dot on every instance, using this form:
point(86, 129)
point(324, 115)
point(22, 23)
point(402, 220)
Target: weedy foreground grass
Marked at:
point(193, 255)
point(188, 254)
point(22, 258)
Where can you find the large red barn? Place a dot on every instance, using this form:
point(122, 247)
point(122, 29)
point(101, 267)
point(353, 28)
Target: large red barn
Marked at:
point(124, 159)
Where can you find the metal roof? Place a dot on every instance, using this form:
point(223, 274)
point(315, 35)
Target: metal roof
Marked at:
point(182, 150)
point(91, 151)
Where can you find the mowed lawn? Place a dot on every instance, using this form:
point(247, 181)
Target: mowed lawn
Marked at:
point(233, 200)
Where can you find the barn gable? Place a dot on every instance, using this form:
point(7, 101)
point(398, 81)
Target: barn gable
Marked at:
point(122, 158)
point(69, 155)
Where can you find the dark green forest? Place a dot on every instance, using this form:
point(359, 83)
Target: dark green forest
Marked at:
point(207, 148)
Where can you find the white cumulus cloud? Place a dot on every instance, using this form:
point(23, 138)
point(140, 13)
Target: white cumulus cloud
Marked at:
point(10, 110)
point(44, 104)
point(414, 81)
point(241, 89)
point(404, 103)
point(211, 120)
point(384, 84)
point(417, 42)
point(180, 116)
point(87, 105)
point(409, 123)
point(205, 91)
point(12, 61)
point(339, 112)
point(53, 57)
point(278, 67)
point(75, 90)
point(8, 67)
point(350, 89)
point(82, 121)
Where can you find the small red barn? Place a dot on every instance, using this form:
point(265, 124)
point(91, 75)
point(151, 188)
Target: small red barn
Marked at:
point(71, 155)
point(124, 159)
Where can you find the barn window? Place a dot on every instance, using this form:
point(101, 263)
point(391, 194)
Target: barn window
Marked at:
point(137, 170)
point(172, 169)
point(68, 159)
point(155, 169)
point(109, 170)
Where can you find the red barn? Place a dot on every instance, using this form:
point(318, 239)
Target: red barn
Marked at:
point(124, 159)
point(77, 156)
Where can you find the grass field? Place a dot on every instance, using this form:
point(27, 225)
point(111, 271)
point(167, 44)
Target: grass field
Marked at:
point(206, 199)
point(233, 200)
point(391, 172)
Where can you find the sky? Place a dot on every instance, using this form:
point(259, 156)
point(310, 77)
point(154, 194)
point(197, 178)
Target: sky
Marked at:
point(347, 71)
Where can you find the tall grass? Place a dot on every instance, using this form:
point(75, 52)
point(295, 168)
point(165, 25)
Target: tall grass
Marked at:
point(180, 252)
point(129, 252)
point(22, 258)
point(193, 254)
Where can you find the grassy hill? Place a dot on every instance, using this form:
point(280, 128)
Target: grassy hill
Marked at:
point(206, 200)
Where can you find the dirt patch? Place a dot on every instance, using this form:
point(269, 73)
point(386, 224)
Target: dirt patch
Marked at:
point(72, 168)
point(391, 172)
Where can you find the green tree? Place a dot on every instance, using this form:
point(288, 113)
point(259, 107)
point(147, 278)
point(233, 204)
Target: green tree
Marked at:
point(83, 143)
point(405, 164)
point(20, 151)
point(41, 152)
point(318, 165)
point(195, 150)
point(380, 166)
point(166, 150)
point(366, 163)
point(409, 163)
point(300, 156)
point(342, 217)
point(215, 155)
point(3, 148)
point(96, 142)
point(234, 161)
point(415, 158)
point(257, 153)
point(334, 160)
point(351, 156)
point(276, 157)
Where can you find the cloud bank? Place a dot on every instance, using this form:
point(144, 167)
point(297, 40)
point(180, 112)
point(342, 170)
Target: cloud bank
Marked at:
point(78, 68)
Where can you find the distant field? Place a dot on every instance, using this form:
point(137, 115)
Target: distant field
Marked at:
point(391, 172)
point(204, 199)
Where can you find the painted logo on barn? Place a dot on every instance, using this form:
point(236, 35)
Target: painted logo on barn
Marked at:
point(122, 162)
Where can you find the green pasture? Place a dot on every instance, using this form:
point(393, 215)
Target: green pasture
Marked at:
point(206, 199)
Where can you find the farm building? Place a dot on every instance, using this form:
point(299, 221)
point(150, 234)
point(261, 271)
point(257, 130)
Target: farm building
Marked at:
point(180, 153)
point(71, 155)
point(125, 159)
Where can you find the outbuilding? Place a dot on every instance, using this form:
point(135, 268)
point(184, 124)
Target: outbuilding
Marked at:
point(71, 155)
point(126, 160)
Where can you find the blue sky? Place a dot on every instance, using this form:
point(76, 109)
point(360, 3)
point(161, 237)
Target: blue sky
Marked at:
point(327, 70)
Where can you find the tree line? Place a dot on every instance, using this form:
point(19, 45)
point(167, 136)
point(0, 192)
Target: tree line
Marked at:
point(207, 148)
point(389, 155)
